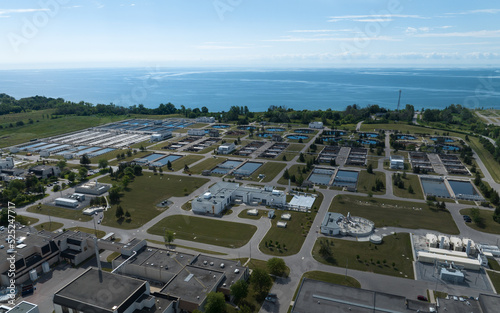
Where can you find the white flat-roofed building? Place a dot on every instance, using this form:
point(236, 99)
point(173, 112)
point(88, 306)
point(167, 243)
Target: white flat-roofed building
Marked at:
point(159, 136)
point(226, 148)
point(223, 194)
point(397, 162)
point(205, 119)
point(92, 188)
point(71, 203)
point(7, 163)
point(196, 132)
point(317, 125)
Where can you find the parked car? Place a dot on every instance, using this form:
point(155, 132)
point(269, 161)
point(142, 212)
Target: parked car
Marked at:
point(422, 298)
point(271, 297)
point(467, 219)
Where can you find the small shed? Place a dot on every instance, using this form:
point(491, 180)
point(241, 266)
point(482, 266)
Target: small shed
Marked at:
point(253, 212)
point(271, 214)
point(286, 216)
point(281, 224)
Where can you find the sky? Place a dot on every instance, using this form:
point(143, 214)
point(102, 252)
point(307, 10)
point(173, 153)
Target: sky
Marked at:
point(248, 33)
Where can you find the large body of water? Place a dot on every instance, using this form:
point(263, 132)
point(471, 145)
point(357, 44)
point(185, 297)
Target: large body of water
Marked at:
point(259, 89)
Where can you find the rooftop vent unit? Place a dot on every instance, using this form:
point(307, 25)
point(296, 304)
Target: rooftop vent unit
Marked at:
point(222, 265)
point(212, 263)
point(236, 271)
point(205, 262)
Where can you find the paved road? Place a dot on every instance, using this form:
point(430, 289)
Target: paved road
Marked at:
point(302, 261)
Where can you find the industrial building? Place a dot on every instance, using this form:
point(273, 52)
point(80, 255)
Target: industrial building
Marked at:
point(226, 148)
point(337, 224)
point(92, 188)
point(159, 136)
point(205, 119)
point(7, 163)
point(99, 291)
point(196, 132)
point(223, 194)
point(397, 162)
point(184, 276)
point(316, 125)
point(321, 297)
point(45, 171)
point(70, 203)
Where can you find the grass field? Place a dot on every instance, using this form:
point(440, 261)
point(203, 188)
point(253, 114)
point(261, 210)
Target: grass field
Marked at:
point(60, 212)
point(208, 164)
point(270, 169)
point(45, 127)
point(395, 250)
point(332, 278)
point(495, 279)
point(289, 240)
point(91, 231)
point(188, 159)
point(493, 264)
point(205, 230)
point(174, 246)
point(385, 212)
point(402, 127)
point(144, 193)
point(489, 161)
point(415, 184)
point(366, 181)
point(294, 170)
point(26, 220)
point(49, 226)
point(489, 225)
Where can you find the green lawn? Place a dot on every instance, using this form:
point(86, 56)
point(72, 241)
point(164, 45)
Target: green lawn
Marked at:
point(208, 164)
point(395, 248)
point(49, 226)
point(415, 184)
point(100, 233)
point(294, 170)
point(332, 278)
point(402, 127)
point(144, 193)
point(366, 182)
point(174, 246)
point(205, 230)
point(488, 225)
point(495, 279)
point(71, 214)
point(188, 159)
point(287, 241)
point(112, 256)
point(45, 127)
point(26, 220)
point(270, 169)
point(489, 161)
point(385, 212)
point(493, 264)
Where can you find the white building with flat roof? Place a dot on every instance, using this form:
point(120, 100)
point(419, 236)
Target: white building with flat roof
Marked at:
point(317, 125)
point(223, 194)
point(196, 132)
point(8, 163)
point(397, 162)
point(205, 119)
point(226, 148)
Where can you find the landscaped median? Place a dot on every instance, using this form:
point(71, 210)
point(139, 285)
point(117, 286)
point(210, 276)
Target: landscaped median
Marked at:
point(205, 230)
point(393, 257)
point(482, 220)
point(385, 212)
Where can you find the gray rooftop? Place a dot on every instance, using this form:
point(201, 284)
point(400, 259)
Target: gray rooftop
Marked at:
point(161, 258)
point(193, 284)
point(94, 293)
point(37, 239)
point(22, 307)
point(320, 297)
point(489, 303)
point(205, 261)
point(330, 220)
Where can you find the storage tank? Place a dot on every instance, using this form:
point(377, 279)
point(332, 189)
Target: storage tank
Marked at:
point(431, 240)
point(457, 243)
point(45, 267)
point(444, 242)
point(33, 275)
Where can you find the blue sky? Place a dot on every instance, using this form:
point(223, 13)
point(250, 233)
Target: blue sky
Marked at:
point(248, 33)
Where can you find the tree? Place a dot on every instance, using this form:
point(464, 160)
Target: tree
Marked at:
point(71, 176)
point(119, 211)
point(276, 266)
point(83, 172)
point(369, 169)
point(286, 174)
point(239, 290)
point(169, 165)
point(129, 153)
point(160, 170)
point(61, 164)
point(186, 168)
point(216, 303)
point(301, 157)
point(127, 215)
point(114, 194)
point(325, 250)
point(169, 236)
point(84, 160)
point(103, 163)
point(261, 280)
point(410, 189)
